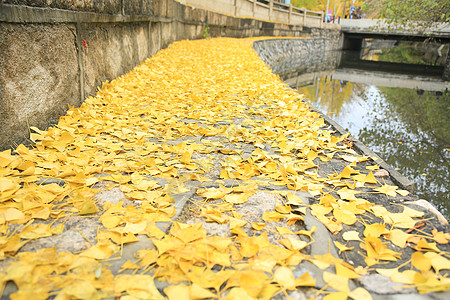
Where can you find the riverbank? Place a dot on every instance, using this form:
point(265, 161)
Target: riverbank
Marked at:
point(199, 173)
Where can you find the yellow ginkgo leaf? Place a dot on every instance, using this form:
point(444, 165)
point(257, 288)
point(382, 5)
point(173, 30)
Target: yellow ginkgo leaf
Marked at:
point(80, 289)
point(400, 220)
point(238, 293)
point(110, 221)
point(91, 181)
point(438, 262)
point(293, 244)
point(249, 247)
point(100, 251)
point(336, 296)
point(305, 280)
point(307, 232)
point(375, 230)
point(348, 171)
point(258, 225)
point(404, 193)
point(285, 278)
point(388, 190)
point(13, 214)
point(423, 245)
point(412, 212)
point(344, 271)
point(283, 230)
point(31, 232)
point(440, 237)
point(387, 272)
point(198, 292)
point(405, 277)
point(373, 168)
point(293, 199)
point(399, 237)
point(342, 247)
point(344, 216)
point(360, 294)
point(236, 198)
point(361, 270)
point(88, 208)
point(7, 188)
point(351, 236)
point(347, 194)
point(420, 261)
point(339, 283)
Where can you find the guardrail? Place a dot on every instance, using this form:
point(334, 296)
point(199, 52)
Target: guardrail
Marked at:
point(271, 10)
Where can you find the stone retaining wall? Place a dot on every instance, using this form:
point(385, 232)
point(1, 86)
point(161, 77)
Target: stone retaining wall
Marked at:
point(291, 57)
point(56, 53)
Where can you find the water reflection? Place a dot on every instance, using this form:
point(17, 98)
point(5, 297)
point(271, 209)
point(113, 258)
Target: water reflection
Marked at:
point(408, 128)
point(396, 104)
point(408, 52)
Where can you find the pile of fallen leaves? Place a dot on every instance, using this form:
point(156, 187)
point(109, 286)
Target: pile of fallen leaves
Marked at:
point(198, 111)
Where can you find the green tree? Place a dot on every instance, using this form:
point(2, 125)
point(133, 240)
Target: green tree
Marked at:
point(421, 13)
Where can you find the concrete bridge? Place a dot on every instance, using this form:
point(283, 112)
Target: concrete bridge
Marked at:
point(380, 28)
point(354, 31)
point(378, 73)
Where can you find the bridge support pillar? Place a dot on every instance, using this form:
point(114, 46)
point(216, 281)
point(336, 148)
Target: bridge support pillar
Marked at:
point(446, 75)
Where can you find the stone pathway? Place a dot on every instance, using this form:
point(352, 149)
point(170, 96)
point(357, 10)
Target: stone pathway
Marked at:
point(201, 175)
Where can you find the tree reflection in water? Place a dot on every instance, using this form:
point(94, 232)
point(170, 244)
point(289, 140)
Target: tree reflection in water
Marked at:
point(409, 129)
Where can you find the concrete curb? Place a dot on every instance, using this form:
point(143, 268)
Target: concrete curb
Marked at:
point(398, 178)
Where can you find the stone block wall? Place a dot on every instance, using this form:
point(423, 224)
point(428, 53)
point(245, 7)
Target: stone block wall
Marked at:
point(291, 57)
point(39, 77)
point(55, 53)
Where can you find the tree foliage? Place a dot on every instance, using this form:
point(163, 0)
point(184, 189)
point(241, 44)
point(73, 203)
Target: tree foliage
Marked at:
point(321, 5)
point(423, 13)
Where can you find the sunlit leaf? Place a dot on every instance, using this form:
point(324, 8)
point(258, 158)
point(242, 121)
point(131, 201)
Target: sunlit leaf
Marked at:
point(351, 236)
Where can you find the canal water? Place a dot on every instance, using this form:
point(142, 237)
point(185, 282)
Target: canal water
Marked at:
point(402, 115)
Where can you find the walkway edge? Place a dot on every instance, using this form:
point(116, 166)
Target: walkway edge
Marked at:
point(398, 178)
point(401, 180)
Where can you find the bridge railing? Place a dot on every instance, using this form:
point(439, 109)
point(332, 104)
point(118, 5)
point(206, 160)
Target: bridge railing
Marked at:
point(271, 10)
